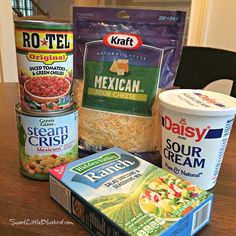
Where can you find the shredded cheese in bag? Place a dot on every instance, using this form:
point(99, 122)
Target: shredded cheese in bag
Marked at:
point(120, 66)
point(105, 129)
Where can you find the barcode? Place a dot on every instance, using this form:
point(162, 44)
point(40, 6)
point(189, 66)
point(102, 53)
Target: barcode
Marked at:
point(60, 193)
point(201, 216)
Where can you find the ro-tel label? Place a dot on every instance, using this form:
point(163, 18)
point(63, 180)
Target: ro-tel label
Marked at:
point(121, 74)
point(45, 46)
point(187, 146)
point(97, 171)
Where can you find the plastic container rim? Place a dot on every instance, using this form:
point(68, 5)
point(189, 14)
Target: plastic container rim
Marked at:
point(166, 103)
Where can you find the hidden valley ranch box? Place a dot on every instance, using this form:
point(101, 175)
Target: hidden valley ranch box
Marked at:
point(116, 193)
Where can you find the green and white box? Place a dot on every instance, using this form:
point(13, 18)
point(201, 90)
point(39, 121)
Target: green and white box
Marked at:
point(116, 193)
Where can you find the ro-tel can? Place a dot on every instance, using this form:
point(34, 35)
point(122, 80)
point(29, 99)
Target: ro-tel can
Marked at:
point(196, 125)
point(45, 63)
point(46, 140)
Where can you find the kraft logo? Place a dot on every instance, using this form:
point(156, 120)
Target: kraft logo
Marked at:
point(122, 41)
point(181, 128)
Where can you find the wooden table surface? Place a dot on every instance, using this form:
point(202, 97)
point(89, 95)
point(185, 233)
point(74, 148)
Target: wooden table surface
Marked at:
point(26, 208)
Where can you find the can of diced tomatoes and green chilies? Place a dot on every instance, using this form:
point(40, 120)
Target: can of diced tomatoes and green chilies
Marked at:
point(46, 140)
point(45, 63)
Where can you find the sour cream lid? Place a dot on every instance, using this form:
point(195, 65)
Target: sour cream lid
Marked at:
point(198, 102)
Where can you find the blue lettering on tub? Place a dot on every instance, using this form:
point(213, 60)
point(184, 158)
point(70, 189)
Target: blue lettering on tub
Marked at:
point(178, 171)
point(184, 155)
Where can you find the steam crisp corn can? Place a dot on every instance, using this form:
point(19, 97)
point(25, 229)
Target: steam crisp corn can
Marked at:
point(46, 140)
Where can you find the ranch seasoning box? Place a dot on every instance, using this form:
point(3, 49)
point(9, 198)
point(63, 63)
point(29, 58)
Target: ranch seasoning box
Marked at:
point(116, 193)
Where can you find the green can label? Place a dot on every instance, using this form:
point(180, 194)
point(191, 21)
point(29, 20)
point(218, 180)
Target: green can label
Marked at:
point(46, 142)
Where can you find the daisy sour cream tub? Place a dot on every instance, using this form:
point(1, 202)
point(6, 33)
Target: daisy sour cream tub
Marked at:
point(196, 125)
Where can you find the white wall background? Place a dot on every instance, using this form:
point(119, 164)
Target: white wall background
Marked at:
point(221, 26)
point(8, 68)
point(58, 9)
point(212, 24)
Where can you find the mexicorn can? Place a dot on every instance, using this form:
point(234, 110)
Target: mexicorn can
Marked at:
point(46, 140)
point(45, 63)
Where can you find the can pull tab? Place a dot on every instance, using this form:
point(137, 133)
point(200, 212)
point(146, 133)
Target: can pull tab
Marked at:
point(122, 15)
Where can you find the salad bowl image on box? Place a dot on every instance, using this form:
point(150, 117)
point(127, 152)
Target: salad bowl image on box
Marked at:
point(161, 196)
point(114, 192)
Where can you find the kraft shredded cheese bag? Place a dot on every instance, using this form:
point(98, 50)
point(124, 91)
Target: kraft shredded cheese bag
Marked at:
point(122, 58)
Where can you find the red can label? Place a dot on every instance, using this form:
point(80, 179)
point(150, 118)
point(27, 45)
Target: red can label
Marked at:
point(45, 64)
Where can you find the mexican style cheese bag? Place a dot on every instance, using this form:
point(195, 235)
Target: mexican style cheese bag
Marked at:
point(122, 58)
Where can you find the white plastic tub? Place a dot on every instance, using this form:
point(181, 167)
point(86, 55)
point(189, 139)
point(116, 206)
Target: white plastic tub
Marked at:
point(196, 125)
